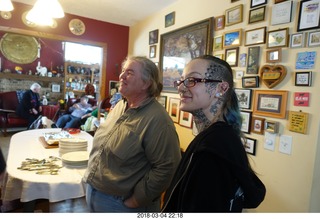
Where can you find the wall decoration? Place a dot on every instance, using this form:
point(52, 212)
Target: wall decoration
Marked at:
point(285, 145)
point(152, 51)
point(257, 15)
point(153, 37)
point(271, 126)
point(77, 27)
point(314, 39)
point(219, 22)
point(239, 74)
point(255, 36)
point(56, 88)
point(298, 122)
point(113, 85)
point(256, 3)
point(232, 56)
point(234, 15)
point(246, 121)
point(301, 98)
point(281, 13)
point(309, 18)
point(174, 109)
point(277, 38)
point(297, 40)
point(174, 55)
point(220, 56)
point(7, 15)
point(253, 60)
point(163, 101)
point(169, 19)
point(274, 55)
point(243, 60)
point(272, 75)
point(217, 43)
point(232, 38)
point(244, 97)
point(250, 82)
point(269, 141)
point(270, 103)
point(185, 119)
point(306, 60)
point(250, 145)
point(303, 78)
point(257, 125)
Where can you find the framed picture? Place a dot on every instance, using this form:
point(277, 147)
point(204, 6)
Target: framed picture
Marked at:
point(239, 74)
point(253, 60)
point(271, 126)
point(153, 37)
point(278, 38)
point(174, 55)
point(314, 39)
point(56, 88)
point(255, 36)
point(217, 43)
point(244, 97)
point(152, 51)
point(257, 125)
point(234, 15)
point(308, 18)
point(298, 122)
point(219, 22)
point(232, 56)
point(174, 109)
point(232, 38)
point(270, 103)
point(281, 13)
point(113, 85)
point(256, 3)
point(163, 101)
point(306, 60)
point(274, 55)
point(257, 15)
point(243, 60)
point(246, 121)
point(185, 119)
point(297, 40)
point(250, 145)
point(303, 79)
point(169, 19)
point(250, 81)
point(301, 98)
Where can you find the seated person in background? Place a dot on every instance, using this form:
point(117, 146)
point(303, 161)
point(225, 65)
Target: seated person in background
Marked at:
point(78, 112)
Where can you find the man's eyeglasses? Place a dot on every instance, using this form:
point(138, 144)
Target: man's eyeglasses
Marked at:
point(191, 82)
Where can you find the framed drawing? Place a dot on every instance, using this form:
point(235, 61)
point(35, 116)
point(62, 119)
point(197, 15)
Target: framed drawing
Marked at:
point(306, 60)
point(281, 13)
point(270, 103)
point(244, 97)
point(303, 79)
point(174, 55)
point(153, 37)
point(250, 145)
point(271, 126)
point(174, 109)
point(274, 55)
point(152, 51)
point(278, 38)
point(257, 15)
point(217, 43)
point(55, 87)
point(256, 3)
point(253, 60)
point(219, 22)
point(163, 101)
point(246, 121)
point(232, 56)
point(314, 39)
point(255, 36)
point(234, 15)
point(257, 125)
point(297, 40)
point(185, 119)
point(298, 122)
point(250, 82)
point(232, 38)
point(309, 15)
point(169, 19)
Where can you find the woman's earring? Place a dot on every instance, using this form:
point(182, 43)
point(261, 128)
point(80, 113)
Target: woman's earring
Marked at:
point(218, 95)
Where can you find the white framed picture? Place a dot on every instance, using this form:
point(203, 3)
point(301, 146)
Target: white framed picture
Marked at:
point(56, 88)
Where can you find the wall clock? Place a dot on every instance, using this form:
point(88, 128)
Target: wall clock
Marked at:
point(77, 27)
point(6, 15)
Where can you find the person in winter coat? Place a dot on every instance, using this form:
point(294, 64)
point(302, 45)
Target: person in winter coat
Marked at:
point(214, 174)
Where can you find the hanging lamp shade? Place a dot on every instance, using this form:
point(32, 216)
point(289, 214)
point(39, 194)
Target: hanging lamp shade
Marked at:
point(6, 5)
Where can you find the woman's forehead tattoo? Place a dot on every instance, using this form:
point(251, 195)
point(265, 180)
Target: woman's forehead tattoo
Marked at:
point(213, 70)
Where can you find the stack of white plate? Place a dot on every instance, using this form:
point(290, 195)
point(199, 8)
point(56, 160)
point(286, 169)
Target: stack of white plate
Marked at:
point(67, 145)
point(75, 159)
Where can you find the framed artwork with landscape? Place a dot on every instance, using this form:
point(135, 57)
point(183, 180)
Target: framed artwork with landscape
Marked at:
point(174, 109)
point(234, 15)
point(232, 38)
point(308, 18)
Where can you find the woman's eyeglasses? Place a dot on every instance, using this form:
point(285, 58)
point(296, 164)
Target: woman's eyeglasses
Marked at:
point(191, 82)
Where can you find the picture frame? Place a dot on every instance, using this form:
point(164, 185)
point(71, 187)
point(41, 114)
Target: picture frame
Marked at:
point(253, 60)
point(152, 51)
point(232, 38)
point(153, 36)
point(297, 40)
point(301, 98)
point(112, 85)
point(274, 55)
point(185, 119)
point(169, 19)
point(234, 15)
point(306, 60)
point(239, 74)
point(257, 125)
point(174, 109)
point(244, 97)
point(314, 39)
point(270, 103)
point(303, 79)
point(56, 88)
point(243, 60)
point(217, 43)
point(255, 36)
point(163, 101)
point(246, 121)
point(232, 56)
point(256, 3)
point(257, 15)
point(199, 33)
point(271, 126)
point(250, 81)
point(281, 13)
point(250, 145)
point(219, 22)
point(298, 122)
point(278, 38)
point(308, 19)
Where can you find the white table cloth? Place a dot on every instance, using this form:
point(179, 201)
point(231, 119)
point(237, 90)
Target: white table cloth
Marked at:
point(27, 185)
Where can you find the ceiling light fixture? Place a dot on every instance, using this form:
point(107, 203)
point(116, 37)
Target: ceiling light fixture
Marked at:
point(6, 5)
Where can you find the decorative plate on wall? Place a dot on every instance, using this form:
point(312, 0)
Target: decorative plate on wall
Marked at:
point(77, 27)
point(19, 48)
point(6, 15)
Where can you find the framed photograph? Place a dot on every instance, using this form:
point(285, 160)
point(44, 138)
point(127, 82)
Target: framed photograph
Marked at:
point(257, 125)
point(243, 60)
point(250, 145)
point(274, 55)
point(232, 38)
point(239, 74)
point(246, 121)
point(255, 36)
point(314, 39)
point(306, 60)
point(270, 103)
point(217, 43)
point(256, 3)
point(113, 85)
point(152, 51)
point(281, 13)
point(174, 55)
point(244, 97)
point(219, 22)
point(153, 37)
point(309, 15)
point(250, 81)
point(234, 15)
point(56, 88)
point(174, 109)
point(253, 60)
point(303, 79)
point(271, 126)
point(163, 101)
point(257, 15)
point(169, 19)
point(232, 56)
point(297, 40)
point(278, 38)
point(185, 119)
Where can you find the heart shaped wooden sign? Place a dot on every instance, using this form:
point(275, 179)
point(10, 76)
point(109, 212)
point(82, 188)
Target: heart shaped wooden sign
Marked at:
point(272, 75)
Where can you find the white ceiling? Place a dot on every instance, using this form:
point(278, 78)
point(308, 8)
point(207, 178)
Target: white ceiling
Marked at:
point(123, 12)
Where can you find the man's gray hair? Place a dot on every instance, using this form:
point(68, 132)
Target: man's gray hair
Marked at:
point(35, 86)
